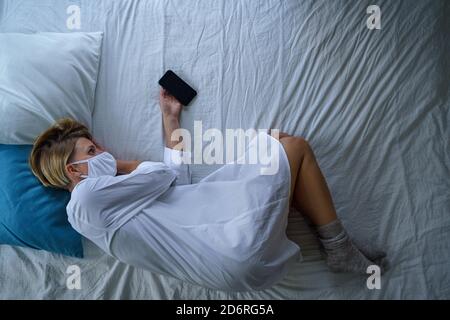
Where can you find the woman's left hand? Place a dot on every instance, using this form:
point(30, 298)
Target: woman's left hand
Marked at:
point(169, 105)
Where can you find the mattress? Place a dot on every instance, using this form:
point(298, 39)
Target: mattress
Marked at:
point(374, 105)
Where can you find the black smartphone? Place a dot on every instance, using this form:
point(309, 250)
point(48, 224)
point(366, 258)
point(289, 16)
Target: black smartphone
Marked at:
point(177, 87)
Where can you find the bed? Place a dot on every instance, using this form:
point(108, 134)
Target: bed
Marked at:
point(374, 105)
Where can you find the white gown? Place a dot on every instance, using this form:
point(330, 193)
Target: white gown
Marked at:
point(226, 232)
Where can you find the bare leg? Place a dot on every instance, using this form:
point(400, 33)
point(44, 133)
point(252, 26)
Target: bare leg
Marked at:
point(310, 195)
point(309, 191)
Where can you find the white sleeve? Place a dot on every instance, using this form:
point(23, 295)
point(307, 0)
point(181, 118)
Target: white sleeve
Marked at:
point(148, 180)
point(178, 161)
point(99, 206)
point(111, 194)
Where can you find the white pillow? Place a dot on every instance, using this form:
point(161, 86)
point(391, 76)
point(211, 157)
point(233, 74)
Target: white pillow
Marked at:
point(43, 77)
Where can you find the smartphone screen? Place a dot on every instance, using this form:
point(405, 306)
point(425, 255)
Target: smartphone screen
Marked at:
point(177, 87)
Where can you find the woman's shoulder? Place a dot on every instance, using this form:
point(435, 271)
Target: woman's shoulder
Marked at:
point(83, 188)
point(79, 195)
point(86, 192)
point(86, 204)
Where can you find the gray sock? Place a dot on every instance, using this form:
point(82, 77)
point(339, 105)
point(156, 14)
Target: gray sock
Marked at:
point(342, 253)
point(373, 254)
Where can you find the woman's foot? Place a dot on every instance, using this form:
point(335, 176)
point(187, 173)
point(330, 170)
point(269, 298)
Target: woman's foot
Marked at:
point(342, 253)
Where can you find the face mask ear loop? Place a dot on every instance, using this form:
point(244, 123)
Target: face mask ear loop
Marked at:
point(78, 162)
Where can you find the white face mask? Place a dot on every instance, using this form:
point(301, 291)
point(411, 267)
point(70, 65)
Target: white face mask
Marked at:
point(102, 164)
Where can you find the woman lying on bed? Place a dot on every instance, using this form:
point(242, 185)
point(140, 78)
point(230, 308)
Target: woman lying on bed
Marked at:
point(226, 232)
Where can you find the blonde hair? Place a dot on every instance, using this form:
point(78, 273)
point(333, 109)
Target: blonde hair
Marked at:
point(52, 150)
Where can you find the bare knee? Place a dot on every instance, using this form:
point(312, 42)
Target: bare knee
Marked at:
point(299, 143)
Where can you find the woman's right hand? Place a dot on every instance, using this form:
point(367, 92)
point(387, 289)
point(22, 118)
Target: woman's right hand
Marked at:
point(169, 105)
point(126, 167)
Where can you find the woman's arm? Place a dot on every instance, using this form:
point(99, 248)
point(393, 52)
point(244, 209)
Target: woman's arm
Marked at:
point(170, 109)
point(174, 152)
point(171, 123)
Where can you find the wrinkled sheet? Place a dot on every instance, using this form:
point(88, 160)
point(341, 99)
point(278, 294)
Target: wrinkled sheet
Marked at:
point(374, 105)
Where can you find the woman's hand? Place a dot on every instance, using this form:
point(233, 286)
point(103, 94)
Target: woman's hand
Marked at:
point(126, 167)
point(171, 109)
point(169, 105)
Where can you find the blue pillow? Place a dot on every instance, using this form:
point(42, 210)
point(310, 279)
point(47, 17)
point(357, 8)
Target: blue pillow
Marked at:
point(32, 215)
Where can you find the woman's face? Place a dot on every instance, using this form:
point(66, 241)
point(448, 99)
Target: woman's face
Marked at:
point(84, 149)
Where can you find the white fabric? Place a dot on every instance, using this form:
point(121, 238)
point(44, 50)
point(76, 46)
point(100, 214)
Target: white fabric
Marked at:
point(46, 76)
point(174, 159)
point(374, 105)
point(226, 232)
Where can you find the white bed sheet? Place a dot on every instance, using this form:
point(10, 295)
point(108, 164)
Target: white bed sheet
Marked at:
point(373, 104)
